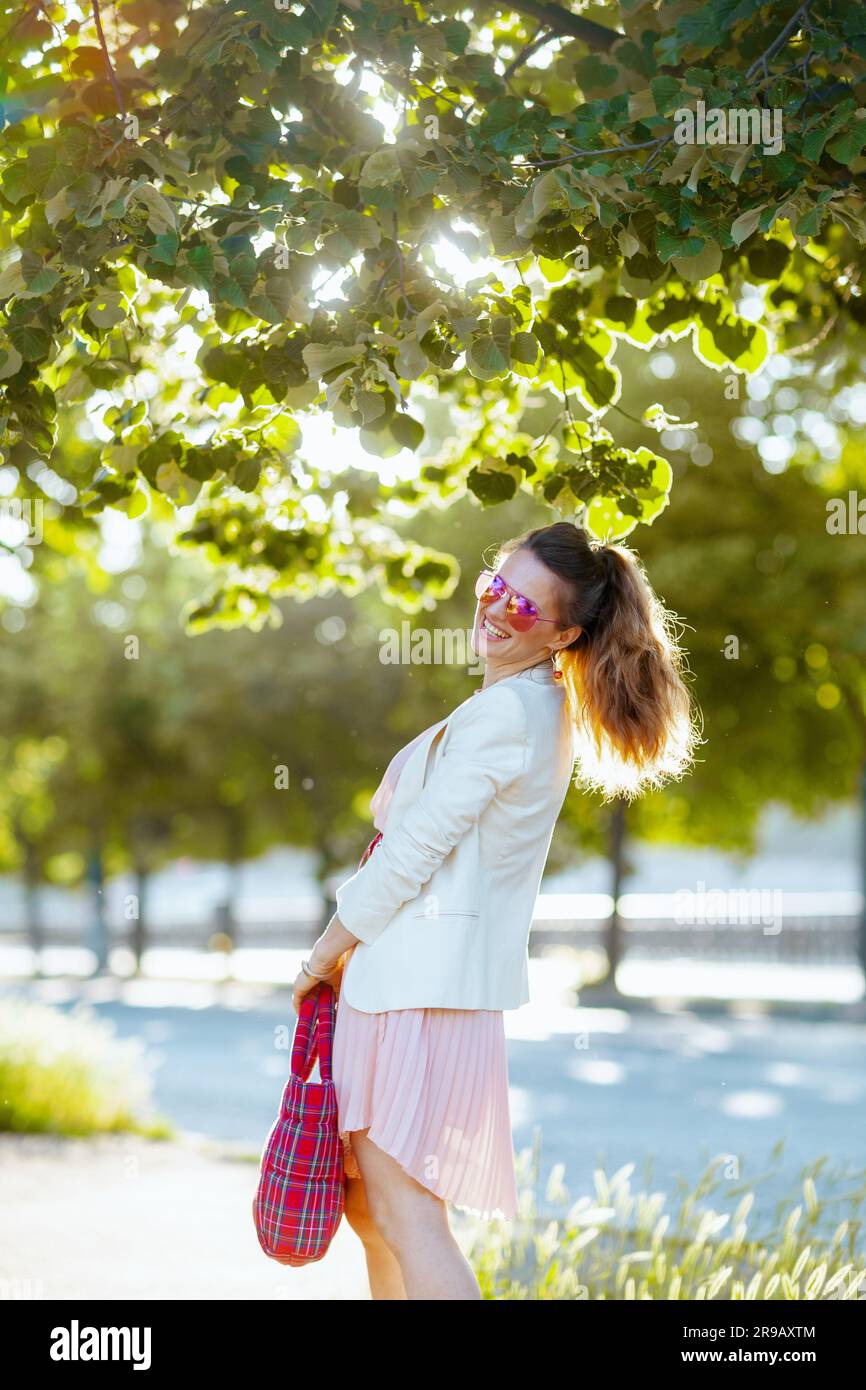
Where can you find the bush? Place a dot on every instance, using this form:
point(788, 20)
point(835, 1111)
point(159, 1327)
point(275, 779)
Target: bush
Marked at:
point(69, 1073)
point(623, 1245)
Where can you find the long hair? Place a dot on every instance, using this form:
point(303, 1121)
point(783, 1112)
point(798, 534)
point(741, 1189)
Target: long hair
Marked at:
point(623, 676)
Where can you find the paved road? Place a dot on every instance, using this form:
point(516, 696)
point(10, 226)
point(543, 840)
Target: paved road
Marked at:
point(606, 1086)
point(120, 1218)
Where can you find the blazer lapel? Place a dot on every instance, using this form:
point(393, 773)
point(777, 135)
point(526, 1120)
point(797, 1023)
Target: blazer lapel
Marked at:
point(414, 771)
point(416, 767)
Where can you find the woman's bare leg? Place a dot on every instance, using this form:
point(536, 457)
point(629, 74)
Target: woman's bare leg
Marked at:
point(383, 1268)
point(414, 1223)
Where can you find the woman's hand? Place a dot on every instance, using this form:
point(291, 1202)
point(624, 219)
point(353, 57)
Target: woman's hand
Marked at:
point(303, 983)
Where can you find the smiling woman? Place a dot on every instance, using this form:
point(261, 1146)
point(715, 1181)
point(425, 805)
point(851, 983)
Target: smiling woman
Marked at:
point(592, 608)
point(439, 910)
point(521, 612)
point(492, 631)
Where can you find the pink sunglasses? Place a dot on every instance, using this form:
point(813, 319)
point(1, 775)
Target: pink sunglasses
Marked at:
point(520, 612)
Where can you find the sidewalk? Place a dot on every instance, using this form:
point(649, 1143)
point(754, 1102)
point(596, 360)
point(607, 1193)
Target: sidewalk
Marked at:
point(121, 1217)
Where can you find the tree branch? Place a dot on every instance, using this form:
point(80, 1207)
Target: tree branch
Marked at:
point(799, 17)
point(781, 39)
point(593, 154)
point(853, 278)
point(561, 21)
point(541, 38)
point(112, 76)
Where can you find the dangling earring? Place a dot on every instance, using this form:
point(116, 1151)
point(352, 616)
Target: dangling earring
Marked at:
point(557, 674)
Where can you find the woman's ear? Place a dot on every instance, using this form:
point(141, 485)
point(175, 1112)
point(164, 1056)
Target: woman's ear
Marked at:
point(570, 635)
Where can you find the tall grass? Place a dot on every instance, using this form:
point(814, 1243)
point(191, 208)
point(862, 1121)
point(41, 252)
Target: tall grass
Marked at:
point(624, 1245)
point(69, 1073)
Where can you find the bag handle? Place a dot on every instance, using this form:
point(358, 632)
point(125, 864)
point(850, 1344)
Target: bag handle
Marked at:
point(314, 1033)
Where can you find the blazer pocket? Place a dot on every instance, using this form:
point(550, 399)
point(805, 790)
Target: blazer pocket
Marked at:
point(449, 912)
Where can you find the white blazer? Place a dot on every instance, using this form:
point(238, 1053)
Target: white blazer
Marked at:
point(443, 906)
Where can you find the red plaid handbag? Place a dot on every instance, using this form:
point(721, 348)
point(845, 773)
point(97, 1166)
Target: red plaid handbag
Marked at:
point(299, 1198)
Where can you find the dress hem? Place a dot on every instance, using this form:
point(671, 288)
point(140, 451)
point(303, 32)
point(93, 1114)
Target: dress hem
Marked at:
point(488, 1214)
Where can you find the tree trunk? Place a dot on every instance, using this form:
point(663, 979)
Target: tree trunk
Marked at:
point(560, 20)
point(617, 865)
point(139, 925)
point(98, 926)
point(226, 912)
point(32, 903)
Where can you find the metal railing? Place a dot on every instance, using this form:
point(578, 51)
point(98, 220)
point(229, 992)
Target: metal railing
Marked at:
point(809, 928)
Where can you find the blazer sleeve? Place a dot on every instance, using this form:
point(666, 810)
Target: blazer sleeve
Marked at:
point(486, 748)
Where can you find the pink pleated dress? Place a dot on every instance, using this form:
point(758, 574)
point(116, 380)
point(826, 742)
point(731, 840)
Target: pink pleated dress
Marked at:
point(429, 1085)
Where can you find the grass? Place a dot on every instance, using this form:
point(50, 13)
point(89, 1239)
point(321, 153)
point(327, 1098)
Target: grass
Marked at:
point(627, 1245)
point(68, 1073)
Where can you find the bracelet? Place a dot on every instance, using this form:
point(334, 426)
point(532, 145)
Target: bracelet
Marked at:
point(308, 971)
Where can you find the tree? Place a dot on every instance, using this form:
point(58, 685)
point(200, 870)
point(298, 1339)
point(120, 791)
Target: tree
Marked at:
point(125, 744)
point(219, 179)
point(774, 612)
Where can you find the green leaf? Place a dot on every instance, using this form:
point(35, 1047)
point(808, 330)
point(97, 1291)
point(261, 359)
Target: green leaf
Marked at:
point(411, 361)
point(222, 364)
point(177, 485)
point(667, 93)
point(38, 277)
point(641, 276)
point(670, 244)
point(525, 348)
point(247, 473)
point(747, 223)
point(32, 343)
point(810, 223)
point(491, 486)
point(320, 358)
point(846, 147)
point(16, 181)
point(11, 280)
point(594, 74)
point(161, 216)
point(693, 268)
point(165, 248)
point(137, 504)
point(282, 433)
point(198, 264)
point(10, 361)
point(383, 167)
point(486, 359)
point(406, 430)
point(107, 310)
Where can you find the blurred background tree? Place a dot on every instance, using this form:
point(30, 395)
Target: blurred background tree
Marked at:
point(518, 319)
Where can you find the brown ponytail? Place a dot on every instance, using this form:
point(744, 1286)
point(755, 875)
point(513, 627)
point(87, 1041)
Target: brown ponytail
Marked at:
point(623, 676)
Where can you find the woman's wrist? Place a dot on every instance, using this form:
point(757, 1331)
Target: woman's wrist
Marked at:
point(330, 946)
point(314, 972)
point(321, 962)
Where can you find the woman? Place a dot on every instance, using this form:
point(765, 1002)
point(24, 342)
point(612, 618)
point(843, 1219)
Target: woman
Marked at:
point(580, 663)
